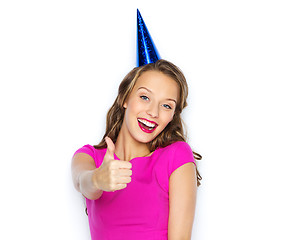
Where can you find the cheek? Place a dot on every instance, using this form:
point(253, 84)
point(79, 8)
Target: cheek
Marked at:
point(167, 118)
point(132, 106)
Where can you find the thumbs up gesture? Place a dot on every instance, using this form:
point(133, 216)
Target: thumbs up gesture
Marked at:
point(112, 175)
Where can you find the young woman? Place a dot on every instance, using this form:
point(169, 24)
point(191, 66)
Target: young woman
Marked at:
point(140, 182)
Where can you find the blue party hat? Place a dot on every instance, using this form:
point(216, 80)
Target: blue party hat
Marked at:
point(147, 52)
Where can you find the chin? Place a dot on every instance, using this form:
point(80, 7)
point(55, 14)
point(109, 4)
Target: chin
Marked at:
point(144, 139)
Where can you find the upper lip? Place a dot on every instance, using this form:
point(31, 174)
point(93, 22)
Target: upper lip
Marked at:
point(156, 124)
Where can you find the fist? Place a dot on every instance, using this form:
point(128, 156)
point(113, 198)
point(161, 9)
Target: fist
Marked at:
point(112, 175)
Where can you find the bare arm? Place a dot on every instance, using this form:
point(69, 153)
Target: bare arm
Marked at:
point(182, 202)
point(83, 167)
point(111, 176)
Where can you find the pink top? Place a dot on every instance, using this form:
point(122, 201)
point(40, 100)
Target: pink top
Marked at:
point(140, 211)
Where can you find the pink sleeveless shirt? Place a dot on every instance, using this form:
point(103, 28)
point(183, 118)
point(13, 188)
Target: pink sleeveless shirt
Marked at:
point(141, 210)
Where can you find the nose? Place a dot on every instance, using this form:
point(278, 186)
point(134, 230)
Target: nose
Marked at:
point(153, 110)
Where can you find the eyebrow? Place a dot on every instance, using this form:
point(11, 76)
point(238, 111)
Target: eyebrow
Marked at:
point(145, 89)
point(169, 99)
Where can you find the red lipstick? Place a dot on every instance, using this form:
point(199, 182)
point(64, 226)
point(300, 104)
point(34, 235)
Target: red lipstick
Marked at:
point(146, 125)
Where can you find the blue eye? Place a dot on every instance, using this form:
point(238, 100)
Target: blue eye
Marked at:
point(167, 106)
point(144, 98)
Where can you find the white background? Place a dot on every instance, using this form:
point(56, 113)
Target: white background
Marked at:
point(61, 63)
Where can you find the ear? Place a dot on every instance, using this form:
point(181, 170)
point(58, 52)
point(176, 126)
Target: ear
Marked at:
point(125, 105)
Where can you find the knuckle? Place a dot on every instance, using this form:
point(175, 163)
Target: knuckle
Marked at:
point(112, 164)
point(107, 166)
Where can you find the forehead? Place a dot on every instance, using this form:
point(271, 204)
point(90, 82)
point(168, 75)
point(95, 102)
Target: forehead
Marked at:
point(158, 83)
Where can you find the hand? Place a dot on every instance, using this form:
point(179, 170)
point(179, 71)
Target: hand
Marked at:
point(112, 175)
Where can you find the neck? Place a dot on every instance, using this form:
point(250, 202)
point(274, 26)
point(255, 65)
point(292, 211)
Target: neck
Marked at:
point(127, 148)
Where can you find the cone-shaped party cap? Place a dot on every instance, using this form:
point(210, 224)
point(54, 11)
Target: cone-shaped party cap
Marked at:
point(147, 52)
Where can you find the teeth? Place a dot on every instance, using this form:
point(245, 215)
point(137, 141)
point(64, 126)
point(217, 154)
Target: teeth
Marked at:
point(148, 124)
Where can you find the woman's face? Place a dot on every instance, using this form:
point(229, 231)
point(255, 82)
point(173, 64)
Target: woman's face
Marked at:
point(150, 106)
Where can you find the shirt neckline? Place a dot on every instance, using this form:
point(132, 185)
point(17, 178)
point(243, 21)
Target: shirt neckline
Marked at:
point(145, 157)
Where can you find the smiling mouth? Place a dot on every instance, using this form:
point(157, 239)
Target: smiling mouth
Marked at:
point(146, 125)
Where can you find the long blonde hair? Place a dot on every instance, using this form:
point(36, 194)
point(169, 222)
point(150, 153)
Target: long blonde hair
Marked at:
point(173, 132)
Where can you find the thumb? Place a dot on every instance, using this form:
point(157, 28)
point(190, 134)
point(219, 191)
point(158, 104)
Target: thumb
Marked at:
point(110, 148)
